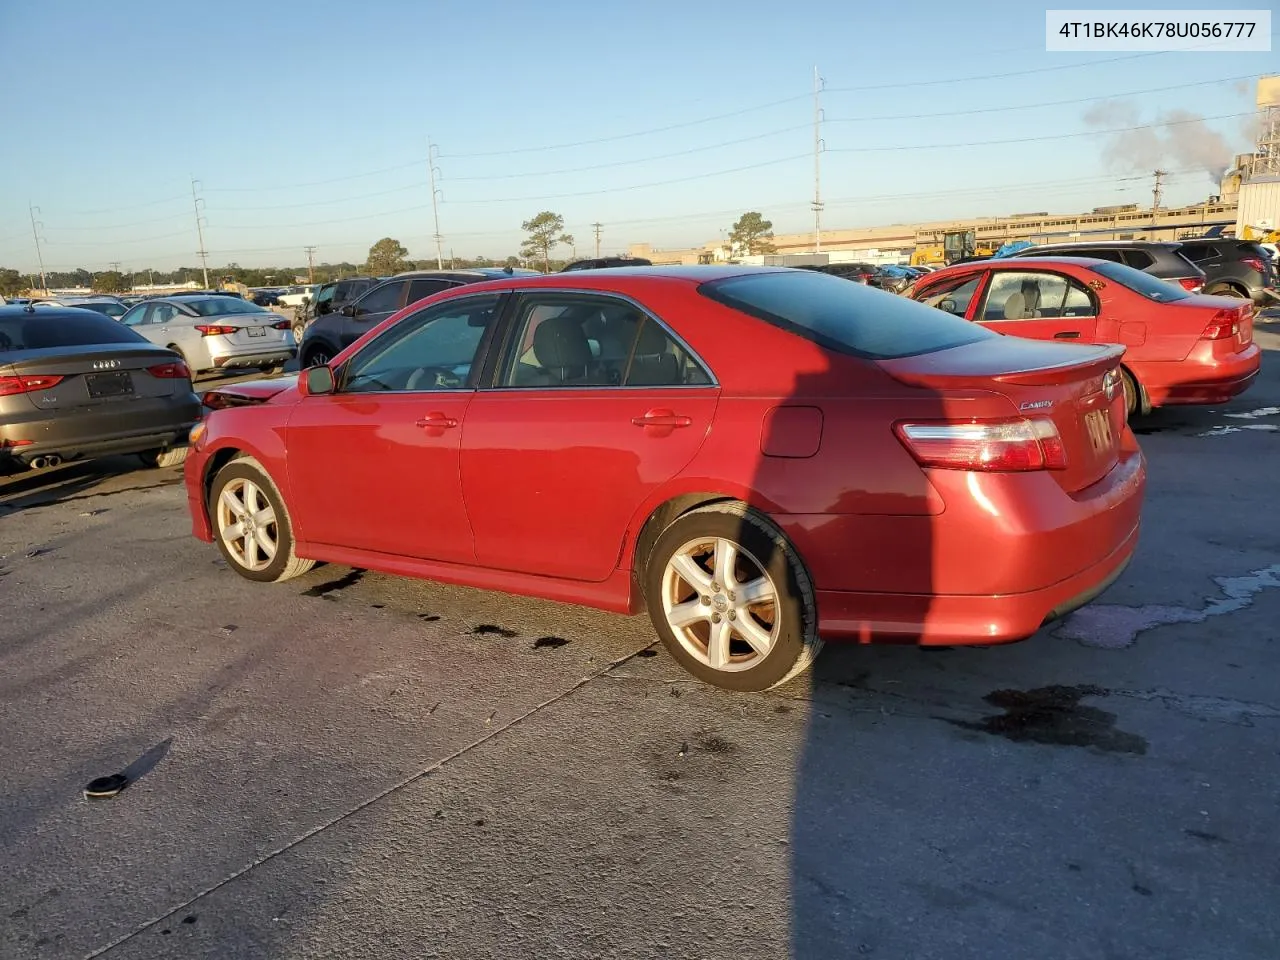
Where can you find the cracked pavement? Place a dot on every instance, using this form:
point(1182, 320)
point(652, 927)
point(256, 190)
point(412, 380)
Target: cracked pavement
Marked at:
point(353, 765)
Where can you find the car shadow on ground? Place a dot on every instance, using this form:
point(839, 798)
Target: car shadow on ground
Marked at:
point(79, 480)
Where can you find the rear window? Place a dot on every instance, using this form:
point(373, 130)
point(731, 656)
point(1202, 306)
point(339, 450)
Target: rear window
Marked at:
point(1153, 288)
point(66, 328)
point(843, 316)
point(223, 307)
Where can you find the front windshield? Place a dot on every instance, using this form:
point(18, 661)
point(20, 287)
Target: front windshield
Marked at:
point(223, 306)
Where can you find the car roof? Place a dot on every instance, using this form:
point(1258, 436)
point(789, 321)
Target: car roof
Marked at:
point(629, 276)
point(1169, 244)
point(8, 310)
point(1021, 264)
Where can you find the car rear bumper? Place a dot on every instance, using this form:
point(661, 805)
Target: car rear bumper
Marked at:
point(1200, 381)
point(275, 354)
point(114, 431)
point(966, 620)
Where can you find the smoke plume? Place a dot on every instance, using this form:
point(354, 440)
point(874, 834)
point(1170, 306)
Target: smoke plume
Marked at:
point(1176, 139)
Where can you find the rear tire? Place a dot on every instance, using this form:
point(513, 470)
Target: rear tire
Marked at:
point(163, 459)
point(1132, 395)
point(251, 524)
point(731, 600)
point(1228, 291)
point(316, 356)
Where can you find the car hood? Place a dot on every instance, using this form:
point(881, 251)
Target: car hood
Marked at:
point(249, 392)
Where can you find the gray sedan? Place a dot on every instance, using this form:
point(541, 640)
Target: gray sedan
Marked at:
point(215, 333)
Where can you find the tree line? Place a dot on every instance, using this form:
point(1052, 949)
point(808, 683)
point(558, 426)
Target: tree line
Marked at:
point(750, 235)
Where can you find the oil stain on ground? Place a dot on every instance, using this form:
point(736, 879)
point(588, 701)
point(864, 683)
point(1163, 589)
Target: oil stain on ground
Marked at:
point(349, 579)
point(491, 630)
point(552, 642)
point(1054, 715)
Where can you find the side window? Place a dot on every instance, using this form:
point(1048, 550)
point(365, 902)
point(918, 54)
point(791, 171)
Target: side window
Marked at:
point(658, 361)
point(953, 296)
point(421, 289)
point(137, 316)
point(579, 341)
point(1078, 302)
point(163, 313)
point(384, 299)
point(563, 340)
point(435, 349)
point(1138, 259)
point(1106, 253)
point(326, 294)
point(1024, 296)
point(1200, 252)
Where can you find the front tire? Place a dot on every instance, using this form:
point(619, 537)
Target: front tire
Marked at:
point(731, 600)
point(251, 524)
point(316, 356)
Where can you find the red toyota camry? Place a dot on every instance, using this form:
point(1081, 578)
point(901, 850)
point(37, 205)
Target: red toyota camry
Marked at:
point(763, 458)
point(1180, 347)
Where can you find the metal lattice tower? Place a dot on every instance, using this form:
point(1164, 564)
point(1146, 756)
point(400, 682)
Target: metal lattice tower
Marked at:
point(1266, 159)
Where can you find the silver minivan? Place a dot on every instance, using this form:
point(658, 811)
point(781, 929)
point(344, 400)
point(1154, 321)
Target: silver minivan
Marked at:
point(215, 332)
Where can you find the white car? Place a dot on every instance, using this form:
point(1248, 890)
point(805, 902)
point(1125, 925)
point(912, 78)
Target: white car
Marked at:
point(214, 332)
point(294, 296)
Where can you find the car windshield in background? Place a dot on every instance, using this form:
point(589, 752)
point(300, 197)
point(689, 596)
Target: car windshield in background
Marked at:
point(72, 328)
point(224, 306)
point(843, 316)
point(1153, 288)
point(103, 306)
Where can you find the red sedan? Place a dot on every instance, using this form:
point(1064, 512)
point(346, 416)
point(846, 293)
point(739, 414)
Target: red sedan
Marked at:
point(1180, 347)
point(760, 457)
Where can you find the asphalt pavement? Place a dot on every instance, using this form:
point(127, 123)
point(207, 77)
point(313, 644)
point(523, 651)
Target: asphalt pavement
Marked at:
point(355, 765)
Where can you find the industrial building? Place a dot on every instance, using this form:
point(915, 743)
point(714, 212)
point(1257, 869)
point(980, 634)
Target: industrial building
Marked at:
point(1248, 203)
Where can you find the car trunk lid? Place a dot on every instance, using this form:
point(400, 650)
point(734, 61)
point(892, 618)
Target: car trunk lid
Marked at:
point(1076, 388)
point(61, 378)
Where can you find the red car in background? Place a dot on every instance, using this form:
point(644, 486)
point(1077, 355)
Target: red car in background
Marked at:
point(1180, 347)
point(763, 458)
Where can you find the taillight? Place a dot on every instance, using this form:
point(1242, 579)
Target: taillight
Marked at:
point(1193, 284)
point(1254, 263)
point(992, 447)
point(281, 325)
point(1224, 325)
point(213, 330)
point(177, 370)
point(9, 386)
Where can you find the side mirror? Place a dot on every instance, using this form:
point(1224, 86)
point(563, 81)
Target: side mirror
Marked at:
point(317, 381)
point(348, 309)
point(949, 306)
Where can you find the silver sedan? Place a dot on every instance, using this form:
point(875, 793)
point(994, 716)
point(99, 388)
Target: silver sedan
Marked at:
point(215, 332)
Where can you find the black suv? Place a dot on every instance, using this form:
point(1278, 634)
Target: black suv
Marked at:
point(328, 297)
point(331, 333)
point(1168, 261)
point(1235, 268)
point(604, 263)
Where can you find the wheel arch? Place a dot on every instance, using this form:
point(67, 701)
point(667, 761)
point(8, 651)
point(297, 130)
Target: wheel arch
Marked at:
point(1144, 399)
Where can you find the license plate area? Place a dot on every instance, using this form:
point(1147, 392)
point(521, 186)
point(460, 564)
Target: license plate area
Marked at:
point(109, 385)
point(256, 331)
point(1097, 426)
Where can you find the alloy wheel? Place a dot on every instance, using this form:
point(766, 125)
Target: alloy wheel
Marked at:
point(721, 604)
point(247, 524)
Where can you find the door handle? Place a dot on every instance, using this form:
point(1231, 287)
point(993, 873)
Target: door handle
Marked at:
point(1067, 335)
point(661, 418)
point(435, 420)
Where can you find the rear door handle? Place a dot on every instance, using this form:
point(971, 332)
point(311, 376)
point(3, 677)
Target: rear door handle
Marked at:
point(661, 418)
point(435, 420)
point(1067, 335)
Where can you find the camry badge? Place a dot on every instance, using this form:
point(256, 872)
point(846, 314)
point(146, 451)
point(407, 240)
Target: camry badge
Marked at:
point(1036, 405)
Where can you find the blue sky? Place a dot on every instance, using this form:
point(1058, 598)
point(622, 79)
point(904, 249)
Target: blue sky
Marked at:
point(307, 123)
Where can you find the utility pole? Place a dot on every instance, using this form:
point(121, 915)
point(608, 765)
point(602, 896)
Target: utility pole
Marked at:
point(817, 161)
point(35, 233)
point(204, 254)
point(311, 264)
point(598, 227)
point(435, 205)
point(1156, 193)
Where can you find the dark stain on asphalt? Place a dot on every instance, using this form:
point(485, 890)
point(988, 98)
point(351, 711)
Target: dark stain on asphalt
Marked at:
point(782, 708)
point(492, 630)
point(189, 918)
point(349, 579)
point(230, 627)
point(551, 642)
point(714, 744)
point(1140, 889)
point(428, 617)
point(647, 653)
point(1054, 715)
point(1204, 835)
point(377, 606)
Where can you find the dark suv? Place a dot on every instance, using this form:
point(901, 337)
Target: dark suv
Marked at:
point(1235, 268)
point(328, 297)
point(330, 334)
point(1168, 261)
point(604, 263)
